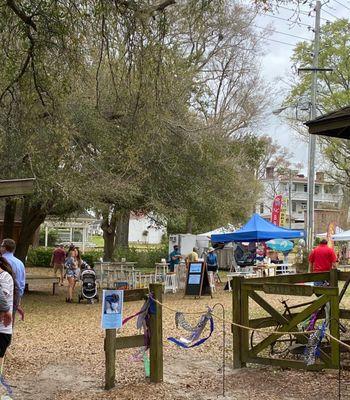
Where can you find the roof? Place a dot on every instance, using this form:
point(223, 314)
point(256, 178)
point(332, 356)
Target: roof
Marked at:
point(258, 229)
point(16, 187)
point(334, 124)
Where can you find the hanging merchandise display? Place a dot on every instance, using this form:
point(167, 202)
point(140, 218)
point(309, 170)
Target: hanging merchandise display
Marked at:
point(312, 349)
point(195, 331)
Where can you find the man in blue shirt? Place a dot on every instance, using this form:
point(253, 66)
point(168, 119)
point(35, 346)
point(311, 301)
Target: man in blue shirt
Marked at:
point(174, 258)
point(7, 249)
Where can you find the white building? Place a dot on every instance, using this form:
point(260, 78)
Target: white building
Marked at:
point(328, 196)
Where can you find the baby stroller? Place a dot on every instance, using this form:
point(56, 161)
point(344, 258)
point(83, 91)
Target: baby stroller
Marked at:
point(88, 287)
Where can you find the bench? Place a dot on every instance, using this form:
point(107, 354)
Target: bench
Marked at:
point(54, 280)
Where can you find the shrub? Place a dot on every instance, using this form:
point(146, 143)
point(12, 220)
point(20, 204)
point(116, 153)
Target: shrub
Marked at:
point(145, 258)
point(39, 257)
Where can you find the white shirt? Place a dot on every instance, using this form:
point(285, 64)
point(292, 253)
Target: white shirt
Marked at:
point(6, 283)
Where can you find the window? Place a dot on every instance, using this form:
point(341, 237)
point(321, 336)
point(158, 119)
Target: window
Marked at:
point(303, 206)
point(261, 208)
point(294, 206)
point(317, 189)
point(305, 187)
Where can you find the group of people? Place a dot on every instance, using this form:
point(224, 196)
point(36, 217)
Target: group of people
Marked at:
point(68, 264)
point(211, 258)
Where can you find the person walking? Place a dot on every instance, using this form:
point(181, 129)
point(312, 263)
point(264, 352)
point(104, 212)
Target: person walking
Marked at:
point(57, 261)
point(8, 247)
point(322, 258)
point(212, 260)
point(72, 272)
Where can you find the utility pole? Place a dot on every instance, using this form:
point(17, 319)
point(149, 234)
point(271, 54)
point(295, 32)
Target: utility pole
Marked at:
point(290, 199)
point(312, 138)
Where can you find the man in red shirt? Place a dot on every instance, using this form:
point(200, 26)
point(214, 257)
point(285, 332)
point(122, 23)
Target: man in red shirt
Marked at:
point(57, 261)
point(322, 258)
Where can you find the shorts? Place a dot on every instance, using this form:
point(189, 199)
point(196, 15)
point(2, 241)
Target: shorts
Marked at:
point(5, 340)
point(73, 273)
point(212, 268)
point(59, 267)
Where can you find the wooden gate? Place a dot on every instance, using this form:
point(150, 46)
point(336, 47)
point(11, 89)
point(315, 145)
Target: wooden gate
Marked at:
point(247, 350)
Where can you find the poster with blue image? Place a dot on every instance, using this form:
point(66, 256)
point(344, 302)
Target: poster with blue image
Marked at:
point(112, 309)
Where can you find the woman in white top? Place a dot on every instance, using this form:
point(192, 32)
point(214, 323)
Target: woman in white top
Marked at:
point(7, 286)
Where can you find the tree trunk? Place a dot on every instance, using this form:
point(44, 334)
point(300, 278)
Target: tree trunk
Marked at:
point(32, 217)
point(9, 218)
point(189, 224)
point(108, 226)
point(122, 231)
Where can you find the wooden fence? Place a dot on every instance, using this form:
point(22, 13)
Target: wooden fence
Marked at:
point(113, 343)
point(245, 350)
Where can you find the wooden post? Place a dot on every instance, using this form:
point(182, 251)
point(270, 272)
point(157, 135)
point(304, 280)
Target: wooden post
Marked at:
point(236, 317)
point(110, 358)
point(156, 348)
point(334, 321)
point(333, 277)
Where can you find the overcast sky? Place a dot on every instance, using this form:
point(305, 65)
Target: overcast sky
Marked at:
point(276, 65)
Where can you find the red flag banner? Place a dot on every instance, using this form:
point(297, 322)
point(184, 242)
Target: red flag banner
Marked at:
point(276, 210)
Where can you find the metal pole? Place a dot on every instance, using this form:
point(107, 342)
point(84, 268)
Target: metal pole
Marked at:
point(312, 138)
point(290, 199)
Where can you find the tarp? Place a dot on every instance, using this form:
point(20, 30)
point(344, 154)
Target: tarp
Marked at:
point(342, 236)
point(256, 230)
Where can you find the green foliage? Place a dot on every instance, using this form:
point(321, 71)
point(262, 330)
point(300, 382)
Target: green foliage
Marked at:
point(52, 238)
point(144, 258)
point(39, 257)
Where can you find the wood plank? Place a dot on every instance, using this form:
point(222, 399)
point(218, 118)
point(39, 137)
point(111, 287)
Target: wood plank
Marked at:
point(291, 324)
point(156, 348)
point(343, 276)
point(267, 307)
point(16, 187)
point(285, 288)
point(334, 331)
point(109, 347)
point(128, 342)
point(294, 278)
point(135, 294)
point(286, 363)
point(236, 318)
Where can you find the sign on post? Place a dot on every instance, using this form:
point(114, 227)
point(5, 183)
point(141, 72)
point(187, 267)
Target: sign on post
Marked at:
point(112, 309)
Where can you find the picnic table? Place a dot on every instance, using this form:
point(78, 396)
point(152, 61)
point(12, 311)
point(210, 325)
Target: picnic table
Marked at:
point(50, 279)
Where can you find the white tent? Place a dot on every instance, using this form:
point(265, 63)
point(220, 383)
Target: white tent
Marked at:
point(342, 236)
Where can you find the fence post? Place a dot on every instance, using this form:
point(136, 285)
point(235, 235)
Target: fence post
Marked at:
point(334, 321)
point(236, 317)
point(156, 346)
point(109, 347)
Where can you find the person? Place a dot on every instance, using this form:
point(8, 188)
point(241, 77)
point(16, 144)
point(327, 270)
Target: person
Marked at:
point(212, 260)
point(7, 296)
point(112, 304)
point(57, 261)
point(193, 256)
point(72, 272)
point(8, 247)
point(322, 258)
point(175, 257)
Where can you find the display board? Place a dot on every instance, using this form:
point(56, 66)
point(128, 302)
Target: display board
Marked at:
point(197, 281)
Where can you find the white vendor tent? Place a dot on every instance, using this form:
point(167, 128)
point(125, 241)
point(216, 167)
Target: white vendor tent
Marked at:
point(342, 236)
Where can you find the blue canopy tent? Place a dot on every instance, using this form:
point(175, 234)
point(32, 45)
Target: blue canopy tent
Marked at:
point(257, 229)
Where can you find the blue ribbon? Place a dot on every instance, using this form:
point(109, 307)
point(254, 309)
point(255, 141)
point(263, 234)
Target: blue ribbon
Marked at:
point(186, 346)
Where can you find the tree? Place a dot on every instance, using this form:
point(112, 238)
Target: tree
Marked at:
point(333, 88)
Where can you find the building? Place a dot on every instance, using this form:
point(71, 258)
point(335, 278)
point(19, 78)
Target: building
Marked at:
point(328, 198)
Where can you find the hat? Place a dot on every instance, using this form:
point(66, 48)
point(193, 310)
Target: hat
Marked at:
point(211, 249)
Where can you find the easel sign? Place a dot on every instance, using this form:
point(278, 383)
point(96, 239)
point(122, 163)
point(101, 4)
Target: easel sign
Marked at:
point(197, 281)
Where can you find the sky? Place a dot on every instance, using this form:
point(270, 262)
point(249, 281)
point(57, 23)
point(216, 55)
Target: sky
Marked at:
point(276, 65)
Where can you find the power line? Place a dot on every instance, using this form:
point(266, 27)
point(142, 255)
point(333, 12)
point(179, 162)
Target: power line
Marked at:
point(301, 12)
point(341, 4)
point(286, 34)
point(332, 15)
point(288, 20)
point(279, 41)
